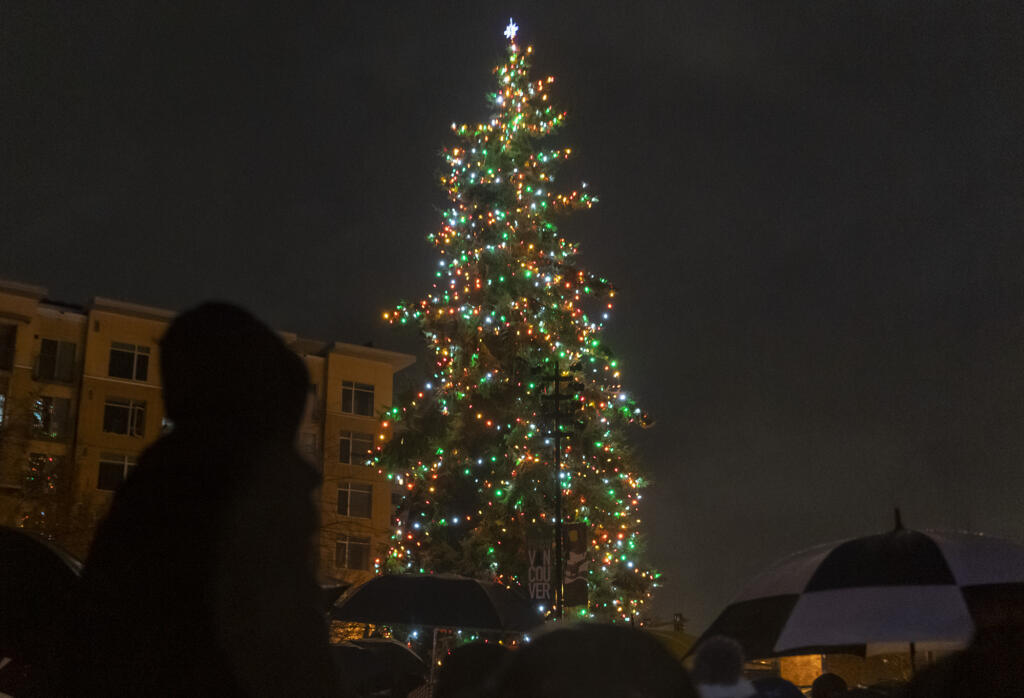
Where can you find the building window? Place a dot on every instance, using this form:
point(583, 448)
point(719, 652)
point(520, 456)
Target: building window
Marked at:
point(7, 335)
point(56, 361)
point(114, 468)
point(357, 398)
point(355, 447)
point(124, 416)
point(129, 361)
point(308, 444)
point(42, 471)
point(355, 499)
point(50, 417)
point(352, 553)
point(314, 410)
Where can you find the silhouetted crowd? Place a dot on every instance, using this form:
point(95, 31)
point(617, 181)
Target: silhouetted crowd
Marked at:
point(200, 581)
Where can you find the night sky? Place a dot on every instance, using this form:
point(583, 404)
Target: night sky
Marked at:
point(813, 212)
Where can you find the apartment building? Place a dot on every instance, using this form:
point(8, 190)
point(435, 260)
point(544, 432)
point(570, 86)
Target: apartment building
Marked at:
point(80, 399)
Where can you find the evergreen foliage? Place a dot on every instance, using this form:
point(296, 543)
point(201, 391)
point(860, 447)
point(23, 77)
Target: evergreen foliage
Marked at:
point(510, 306)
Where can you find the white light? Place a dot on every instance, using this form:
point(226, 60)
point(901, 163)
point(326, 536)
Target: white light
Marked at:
point(511, 29)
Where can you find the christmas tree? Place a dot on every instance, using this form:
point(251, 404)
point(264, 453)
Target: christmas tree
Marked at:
point(510, 311)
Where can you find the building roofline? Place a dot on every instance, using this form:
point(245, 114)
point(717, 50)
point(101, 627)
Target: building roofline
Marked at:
point(145, 311)
point(19, 289)
point(64, 307)
point(310, 347)
point(397, 359)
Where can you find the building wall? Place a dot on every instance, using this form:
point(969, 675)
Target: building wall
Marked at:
point(126, 327)
point(21, 386)
point(86, 444)
point(354, 365)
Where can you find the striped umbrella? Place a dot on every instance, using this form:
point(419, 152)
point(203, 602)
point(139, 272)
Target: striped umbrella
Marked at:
point(900, 587)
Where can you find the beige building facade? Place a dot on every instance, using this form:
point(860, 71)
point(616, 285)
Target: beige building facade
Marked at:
point(80, 399)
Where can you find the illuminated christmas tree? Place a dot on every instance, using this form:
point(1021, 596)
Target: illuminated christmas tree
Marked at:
point(509, 310)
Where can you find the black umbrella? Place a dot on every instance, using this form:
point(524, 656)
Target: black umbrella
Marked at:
point(37, 580)
point(330, 593)
point(888, 590)
point(37, 585)
point(397, 659)
point(373, 665)
point(445, 601)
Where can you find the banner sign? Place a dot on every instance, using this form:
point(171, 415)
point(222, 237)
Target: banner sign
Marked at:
point(576, 564)
point(540, 560)
point(540, 563)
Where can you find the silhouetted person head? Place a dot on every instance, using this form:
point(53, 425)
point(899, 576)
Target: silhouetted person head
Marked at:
point(718, 661)
point(592, 661)
point(225, 372)
point(468, 668)
point(201, 578)
point(828, 685)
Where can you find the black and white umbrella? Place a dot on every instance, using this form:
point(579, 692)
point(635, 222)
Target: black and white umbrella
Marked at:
point(895, 588)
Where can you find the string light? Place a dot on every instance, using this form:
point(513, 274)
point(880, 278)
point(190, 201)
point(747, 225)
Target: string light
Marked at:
point(509, 303)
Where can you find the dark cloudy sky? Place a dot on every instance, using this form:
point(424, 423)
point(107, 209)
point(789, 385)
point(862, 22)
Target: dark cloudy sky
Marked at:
point(813, 212)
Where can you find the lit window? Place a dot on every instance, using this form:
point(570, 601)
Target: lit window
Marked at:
point(357, 398)
point(50, 417)
point(129, 361)
point(114, 468)
point(126, 417)
point(42, 472)
point(355, 447)
point(355, 499)
point(352, 553)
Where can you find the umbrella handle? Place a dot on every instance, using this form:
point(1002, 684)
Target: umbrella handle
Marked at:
point(433, 665)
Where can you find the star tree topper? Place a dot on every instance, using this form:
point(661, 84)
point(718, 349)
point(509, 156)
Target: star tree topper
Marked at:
point(511, 29)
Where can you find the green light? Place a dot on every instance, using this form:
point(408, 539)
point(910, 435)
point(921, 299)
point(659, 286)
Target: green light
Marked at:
point(505, 270)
